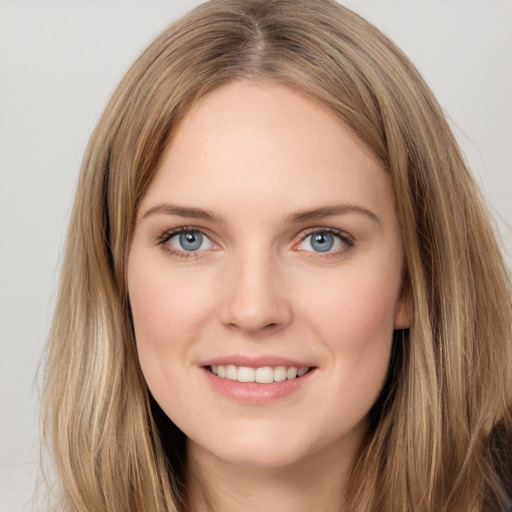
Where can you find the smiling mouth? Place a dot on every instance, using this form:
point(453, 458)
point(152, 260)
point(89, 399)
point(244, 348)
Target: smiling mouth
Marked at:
point(262, 375)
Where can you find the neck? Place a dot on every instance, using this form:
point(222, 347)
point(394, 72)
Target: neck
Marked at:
point(316, 482)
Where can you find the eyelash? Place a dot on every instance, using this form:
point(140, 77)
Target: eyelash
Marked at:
point(346, 239)
point(167, 235)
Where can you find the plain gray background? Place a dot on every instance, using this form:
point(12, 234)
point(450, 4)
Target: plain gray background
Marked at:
point(59, 62)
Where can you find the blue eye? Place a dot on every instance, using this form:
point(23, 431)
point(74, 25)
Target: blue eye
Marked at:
point(324, 241)
point(190, 241)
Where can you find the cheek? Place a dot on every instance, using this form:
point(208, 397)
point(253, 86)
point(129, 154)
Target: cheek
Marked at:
point(354, 319)
point(370, 310)
point(165, 307)
point(363, 340)
point(357, 308)
point(158, 319)
point(169, 310)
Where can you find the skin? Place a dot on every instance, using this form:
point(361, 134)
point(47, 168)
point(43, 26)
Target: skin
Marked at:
point(255, 156)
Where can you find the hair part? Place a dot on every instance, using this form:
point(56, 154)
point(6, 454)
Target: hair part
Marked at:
point(441, 430)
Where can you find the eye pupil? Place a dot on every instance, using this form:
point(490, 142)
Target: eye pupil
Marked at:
point(191, 241)
point(322, 242)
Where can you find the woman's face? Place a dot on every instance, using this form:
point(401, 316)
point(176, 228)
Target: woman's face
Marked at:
point(266, 246)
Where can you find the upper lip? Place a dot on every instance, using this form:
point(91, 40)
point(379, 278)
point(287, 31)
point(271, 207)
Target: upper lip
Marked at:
point(256, 361)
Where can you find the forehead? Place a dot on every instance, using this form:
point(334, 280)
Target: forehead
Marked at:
point(251, 141)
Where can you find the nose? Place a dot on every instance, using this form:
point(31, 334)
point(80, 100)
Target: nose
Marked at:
point(255, 299)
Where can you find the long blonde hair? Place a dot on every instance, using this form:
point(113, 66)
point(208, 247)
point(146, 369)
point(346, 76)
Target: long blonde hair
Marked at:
point(440, 434)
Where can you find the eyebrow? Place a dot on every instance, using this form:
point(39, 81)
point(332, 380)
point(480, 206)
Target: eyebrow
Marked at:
point(328, 211)
point(295, 218)
point(182, 211)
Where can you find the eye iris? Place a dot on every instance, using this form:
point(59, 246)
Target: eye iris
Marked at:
point(191, 241)
point(322, 242)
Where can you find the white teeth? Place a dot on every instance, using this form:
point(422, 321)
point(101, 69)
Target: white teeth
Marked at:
point(280, 373)
point(246, 374)
point(302, 371)
point(263, 375)
point(291, 373)
point(231, 372)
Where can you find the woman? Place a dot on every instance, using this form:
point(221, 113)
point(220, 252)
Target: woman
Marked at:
point(280, 286)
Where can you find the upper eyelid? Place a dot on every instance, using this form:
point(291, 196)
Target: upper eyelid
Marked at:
point(335, 231)
point(162, 241)
point(345, 238)
point(169, 233)
point(299, 237)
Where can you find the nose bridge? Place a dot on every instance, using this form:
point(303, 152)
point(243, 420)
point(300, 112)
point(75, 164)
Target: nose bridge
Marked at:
point(255, 297)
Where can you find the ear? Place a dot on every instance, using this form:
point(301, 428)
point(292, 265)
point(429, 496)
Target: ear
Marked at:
point(403, 313)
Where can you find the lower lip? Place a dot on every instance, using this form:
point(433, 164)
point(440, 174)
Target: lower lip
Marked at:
point(254, 392)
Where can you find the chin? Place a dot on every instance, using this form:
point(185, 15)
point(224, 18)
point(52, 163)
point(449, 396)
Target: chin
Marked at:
point(266, 448)
point(263, 458)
